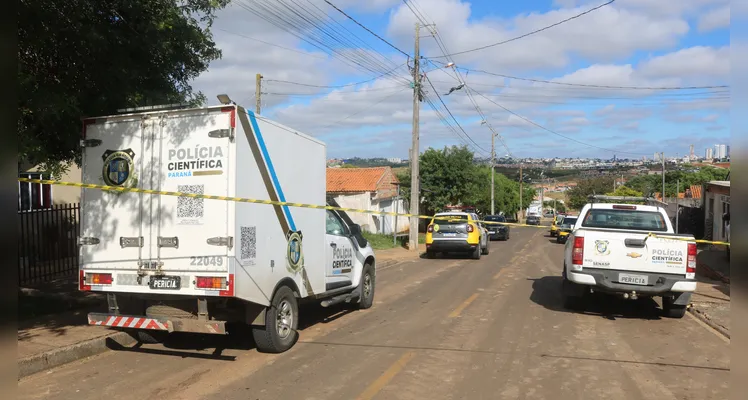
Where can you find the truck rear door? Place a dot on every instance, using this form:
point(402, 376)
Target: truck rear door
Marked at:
point(615, 239)
point(192, 156)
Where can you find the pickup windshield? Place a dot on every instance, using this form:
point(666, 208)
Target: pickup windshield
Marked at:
point(625, 219)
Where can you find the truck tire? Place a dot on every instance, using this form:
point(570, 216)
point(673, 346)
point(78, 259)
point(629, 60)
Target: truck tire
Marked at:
point(367, 288)
point(281, 321)
point(477, 252)
point(671, 310)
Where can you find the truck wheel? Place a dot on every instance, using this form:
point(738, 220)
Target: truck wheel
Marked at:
point(367, 288)
point(149, 337)
point(671, 310)
point(281, 321)
point(476, 253)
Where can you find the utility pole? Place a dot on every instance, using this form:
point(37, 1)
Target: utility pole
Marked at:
point(258, 93)
point(677, 210)
point(493, 168)
point(662, 156)
point(415, 190)
point(521, 209)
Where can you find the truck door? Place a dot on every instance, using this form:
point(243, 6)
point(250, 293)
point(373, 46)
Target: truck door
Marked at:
point(112, 222)
point(340, 253)
point(192, 234)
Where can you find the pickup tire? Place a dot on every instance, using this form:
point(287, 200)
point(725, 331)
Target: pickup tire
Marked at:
point(485, 249)
point(671, 310)
point(281, 323)
point(367, 288)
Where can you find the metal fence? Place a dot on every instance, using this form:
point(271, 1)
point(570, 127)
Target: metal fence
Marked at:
point(48, 245)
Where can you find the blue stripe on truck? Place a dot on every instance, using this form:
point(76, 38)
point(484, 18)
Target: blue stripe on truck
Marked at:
point(271, 169)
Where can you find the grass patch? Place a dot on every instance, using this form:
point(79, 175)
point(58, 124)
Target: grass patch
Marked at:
point(383, 242)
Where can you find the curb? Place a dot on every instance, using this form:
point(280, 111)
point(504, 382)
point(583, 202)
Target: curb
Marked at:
point(703, 317)
point(44, 361)
point(709, 272)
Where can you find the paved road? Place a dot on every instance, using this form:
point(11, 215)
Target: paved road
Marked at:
point(440, 329)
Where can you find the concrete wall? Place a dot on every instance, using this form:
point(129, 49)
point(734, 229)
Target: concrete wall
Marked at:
point(370, 222)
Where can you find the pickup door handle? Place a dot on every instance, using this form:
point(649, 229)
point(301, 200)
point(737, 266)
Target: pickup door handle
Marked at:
point(333, 245)
point(639, 243)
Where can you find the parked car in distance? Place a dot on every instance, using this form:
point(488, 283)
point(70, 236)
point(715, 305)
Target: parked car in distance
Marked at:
point(565, 228)
point(554, 225)
point(456, 232)
point(533, 220)
point(496, 231)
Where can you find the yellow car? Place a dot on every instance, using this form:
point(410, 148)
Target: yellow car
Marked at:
point(456, 232)
point(564, 228)
point(554, 225)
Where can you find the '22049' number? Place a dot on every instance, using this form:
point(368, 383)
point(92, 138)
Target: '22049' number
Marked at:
point(206, 261)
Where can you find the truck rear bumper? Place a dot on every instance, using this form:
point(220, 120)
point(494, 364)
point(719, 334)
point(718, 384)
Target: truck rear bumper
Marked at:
point(160, 324)
point(451, 246)
point(607, 281)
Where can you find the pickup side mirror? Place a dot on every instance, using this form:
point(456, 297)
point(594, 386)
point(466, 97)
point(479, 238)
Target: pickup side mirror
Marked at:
point(355, 229)
point(358, 235)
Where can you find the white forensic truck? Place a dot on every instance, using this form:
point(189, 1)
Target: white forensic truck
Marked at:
point(630, 251)
point(187, 264)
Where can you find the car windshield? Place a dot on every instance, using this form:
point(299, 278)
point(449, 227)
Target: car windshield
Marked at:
point(625, 219)
point(450, 219)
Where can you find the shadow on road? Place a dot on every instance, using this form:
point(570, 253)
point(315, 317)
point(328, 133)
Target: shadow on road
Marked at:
point(190, 345)
point(546, 291)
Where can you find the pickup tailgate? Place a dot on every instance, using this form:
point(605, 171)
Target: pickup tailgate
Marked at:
point(629, 251)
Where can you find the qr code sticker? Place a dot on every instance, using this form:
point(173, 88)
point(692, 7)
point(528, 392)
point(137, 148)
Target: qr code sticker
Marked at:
point(248, 242)
point(190, 207)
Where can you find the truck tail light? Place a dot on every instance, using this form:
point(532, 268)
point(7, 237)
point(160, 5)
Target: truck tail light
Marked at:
point(430, 228)
point(82, 285)
point(691, 260)
point(577, 253)
point(99, 279)
point(211, 282)
point(470, 228)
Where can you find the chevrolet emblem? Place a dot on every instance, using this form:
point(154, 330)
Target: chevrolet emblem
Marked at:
point(633, 255)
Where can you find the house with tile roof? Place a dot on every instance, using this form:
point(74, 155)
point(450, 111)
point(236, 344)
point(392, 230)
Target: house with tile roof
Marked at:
point(373, 189)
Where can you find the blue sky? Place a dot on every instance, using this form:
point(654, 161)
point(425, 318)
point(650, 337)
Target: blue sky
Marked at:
point(629, 43)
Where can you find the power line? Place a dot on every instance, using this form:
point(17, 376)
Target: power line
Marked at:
point(552, 131)
point(321, 94)
point(336, 86)
point(367, 29)
point(598, 86)
point(527, 34)
point(450, 113)
point(274, 45)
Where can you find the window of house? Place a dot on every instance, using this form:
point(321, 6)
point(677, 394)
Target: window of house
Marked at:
point(34, 196)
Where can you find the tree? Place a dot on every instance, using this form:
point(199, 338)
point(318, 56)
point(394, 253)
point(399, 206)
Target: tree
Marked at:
point(550, 204)
point(578, 196)
point(450, 176)
point(626, 192)
point(81, 58)
point(650, 184)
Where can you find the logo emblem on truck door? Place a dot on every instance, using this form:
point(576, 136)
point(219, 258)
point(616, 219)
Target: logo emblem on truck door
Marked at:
point(118, 167)
point(601, 247)
point(294, 251)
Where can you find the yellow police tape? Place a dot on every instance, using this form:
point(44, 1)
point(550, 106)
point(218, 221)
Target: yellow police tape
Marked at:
point(301, 205)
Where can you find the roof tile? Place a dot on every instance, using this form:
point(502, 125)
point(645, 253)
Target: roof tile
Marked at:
point(340, 180)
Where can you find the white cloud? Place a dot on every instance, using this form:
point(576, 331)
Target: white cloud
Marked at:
point(690, 63)
point(715, 19)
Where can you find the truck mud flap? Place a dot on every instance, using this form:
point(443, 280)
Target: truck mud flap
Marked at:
point(160, 324)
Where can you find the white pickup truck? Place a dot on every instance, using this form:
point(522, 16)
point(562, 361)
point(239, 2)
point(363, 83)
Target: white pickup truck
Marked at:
point(610, 250)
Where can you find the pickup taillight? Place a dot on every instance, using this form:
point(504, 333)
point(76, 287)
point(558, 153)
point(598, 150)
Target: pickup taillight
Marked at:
point(691, 260)
point(577, 253)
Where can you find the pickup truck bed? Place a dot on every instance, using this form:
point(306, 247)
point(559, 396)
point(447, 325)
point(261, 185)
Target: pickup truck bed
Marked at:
point(630, 251)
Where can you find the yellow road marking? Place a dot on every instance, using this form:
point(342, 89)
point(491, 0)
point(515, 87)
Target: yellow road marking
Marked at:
point(709, 328)
point(458, 310)
point(501, 272)
point(386, 377)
